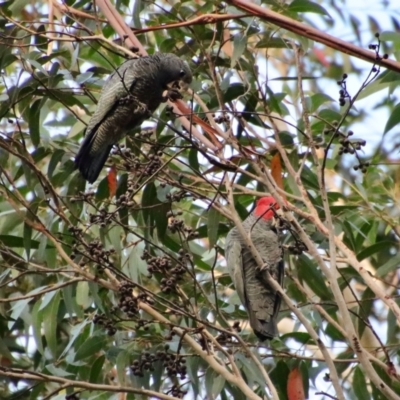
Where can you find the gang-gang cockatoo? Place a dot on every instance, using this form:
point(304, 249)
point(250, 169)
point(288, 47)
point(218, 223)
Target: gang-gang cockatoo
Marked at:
point(261, 301)
point(130, 95)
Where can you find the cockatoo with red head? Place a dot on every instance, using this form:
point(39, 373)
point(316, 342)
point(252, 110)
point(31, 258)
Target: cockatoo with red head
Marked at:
point(261, 301)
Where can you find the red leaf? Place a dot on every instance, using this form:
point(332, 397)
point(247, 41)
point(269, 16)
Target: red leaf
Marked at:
point(321, 56)
point(112, 181)
point(295, 390)
point(276, 171)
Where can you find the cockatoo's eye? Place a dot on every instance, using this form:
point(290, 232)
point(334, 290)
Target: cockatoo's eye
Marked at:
point(182, 73)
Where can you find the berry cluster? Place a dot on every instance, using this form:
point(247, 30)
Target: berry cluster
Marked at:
point(297, 248)
point(171, 275)
point(131, 162)
point(177, 196)
point(176, 391)
point(350, 146)
point(362, 167)
point(376, 48)
point(153, 165)
point(72, 396)
point(107, 323)
point(221, 118)
point(144, 133)
point(177, 225)
point(174, 364)
point(97, 252)
point(143, 323)
point(128, 303)
point(159, 264)
point(236, 326)
point(124, 201)
point(169, 111)
point(103, 218)
point(94, 251)
point(343, 93)
point(145, 363)
point(225, 337)
point(82, 196)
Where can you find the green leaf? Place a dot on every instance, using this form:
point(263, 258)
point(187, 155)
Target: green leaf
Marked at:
point(279, 376)
point(214, 383)
point(273, 42)
point(4, 350)
point(309, 274)
point(121, 363)
point(50, 321)
point(317, 100)
point(160, 215)
point(333, 332)
point(367, 304)
point(91, 346)
point(16, 241)
point(239, 46)
point(193, 368)
point(304, 367)
point(329, 115)
point(19, 307)
point(149, 198)
point(360, 385)
point(96, 370)
point(34, 122)
point(135, 265)
point(233, 91)
point(193, 160)
point(391, 265)
point(388, 36)
point(77, 332)
point(307, 6)
point(373, 249)
point(393, 120)
point(55, 159)
point(310, 178)
point(212, 226)
point(301, 337)
point(82, 294)
point(37, 326)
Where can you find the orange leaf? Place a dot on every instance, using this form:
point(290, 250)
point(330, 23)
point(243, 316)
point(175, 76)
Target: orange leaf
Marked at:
point(5, 362)
point(185, 110)
point(295, 390)
point(321, 56)
point(227, 46)
point(276, 171)
point(112, 181)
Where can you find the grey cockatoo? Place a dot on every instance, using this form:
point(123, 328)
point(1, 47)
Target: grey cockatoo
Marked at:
point(130, 95)
point(259, 298)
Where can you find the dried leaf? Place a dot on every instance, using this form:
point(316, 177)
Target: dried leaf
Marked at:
point(276, 171)
point(295, 390)
point(112, 181)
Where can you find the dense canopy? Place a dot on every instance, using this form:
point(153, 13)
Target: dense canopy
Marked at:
point(119, 289)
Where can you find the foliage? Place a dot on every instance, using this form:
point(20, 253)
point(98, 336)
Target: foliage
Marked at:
point(120, 288)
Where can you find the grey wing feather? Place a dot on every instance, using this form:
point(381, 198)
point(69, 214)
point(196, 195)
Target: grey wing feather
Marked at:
point(119, 82)
point(102, 131)
point(259, 298)
point(233, 255)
